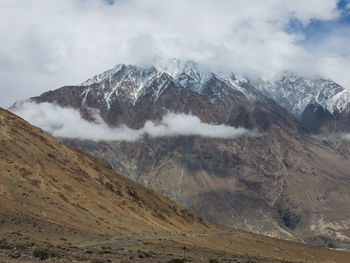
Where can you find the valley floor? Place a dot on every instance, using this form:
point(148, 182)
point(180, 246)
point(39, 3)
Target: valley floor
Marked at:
point(226, 246)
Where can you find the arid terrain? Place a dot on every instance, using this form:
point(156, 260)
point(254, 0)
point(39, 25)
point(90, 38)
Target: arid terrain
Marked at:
point(230, 246)
point(63, 205)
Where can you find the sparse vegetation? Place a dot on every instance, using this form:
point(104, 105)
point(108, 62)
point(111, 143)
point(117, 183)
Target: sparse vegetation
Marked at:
point(105, 252)
point(41, 254)
point(44, 254)
point(73, 247)
point(177, 260)
point(5, 246)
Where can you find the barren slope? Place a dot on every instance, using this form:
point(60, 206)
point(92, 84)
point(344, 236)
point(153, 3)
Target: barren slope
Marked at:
point(45, 182)
point(56, 195)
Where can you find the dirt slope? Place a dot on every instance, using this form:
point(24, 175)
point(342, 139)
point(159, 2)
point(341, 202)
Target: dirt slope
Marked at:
point(54, 198)
point(42, 180)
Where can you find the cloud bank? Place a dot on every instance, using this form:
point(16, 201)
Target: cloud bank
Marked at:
point(52, 43)
point(67, 123)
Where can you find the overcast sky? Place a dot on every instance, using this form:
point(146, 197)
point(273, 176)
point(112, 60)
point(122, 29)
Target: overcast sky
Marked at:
point(46, 44)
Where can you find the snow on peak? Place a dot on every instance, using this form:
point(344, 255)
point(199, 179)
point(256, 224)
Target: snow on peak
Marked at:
point(130, 81)
point(292, 92)
point(100, 77)
point(169, 66)
point(295, 92)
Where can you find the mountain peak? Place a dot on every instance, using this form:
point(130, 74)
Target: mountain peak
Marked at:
point(291, 91)
point(130, 81)
point(171, 66)
point(295, 92)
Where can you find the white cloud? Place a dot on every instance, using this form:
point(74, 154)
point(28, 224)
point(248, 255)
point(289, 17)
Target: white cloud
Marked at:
point(67, 122)
point(51, 43)
point(346, 136)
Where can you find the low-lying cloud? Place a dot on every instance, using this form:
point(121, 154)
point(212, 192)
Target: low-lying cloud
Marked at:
point(347, 136)
point(334, 137)
point(67, 123)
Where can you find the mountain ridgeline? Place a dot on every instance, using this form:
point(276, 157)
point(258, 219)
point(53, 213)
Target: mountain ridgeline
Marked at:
point(288, 183)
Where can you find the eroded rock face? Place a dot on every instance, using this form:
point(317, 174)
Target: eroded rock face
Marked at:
point(270, 185)
point(283, 182)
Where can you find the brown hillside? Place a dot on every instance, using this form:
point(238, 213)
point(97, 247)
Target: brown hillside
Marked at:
point(53, 197)
point(43, 180)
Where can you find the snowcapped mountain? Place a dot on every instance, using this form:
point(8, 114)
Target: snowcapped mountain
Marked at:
point(122, 94)
point(130, 82)
point(294, 93)
point(122, 81)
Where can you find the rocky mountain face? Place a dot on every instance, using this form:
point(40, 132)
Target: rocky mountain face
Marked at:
point(121, 92)
point(284, 183)
point(322, 106)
